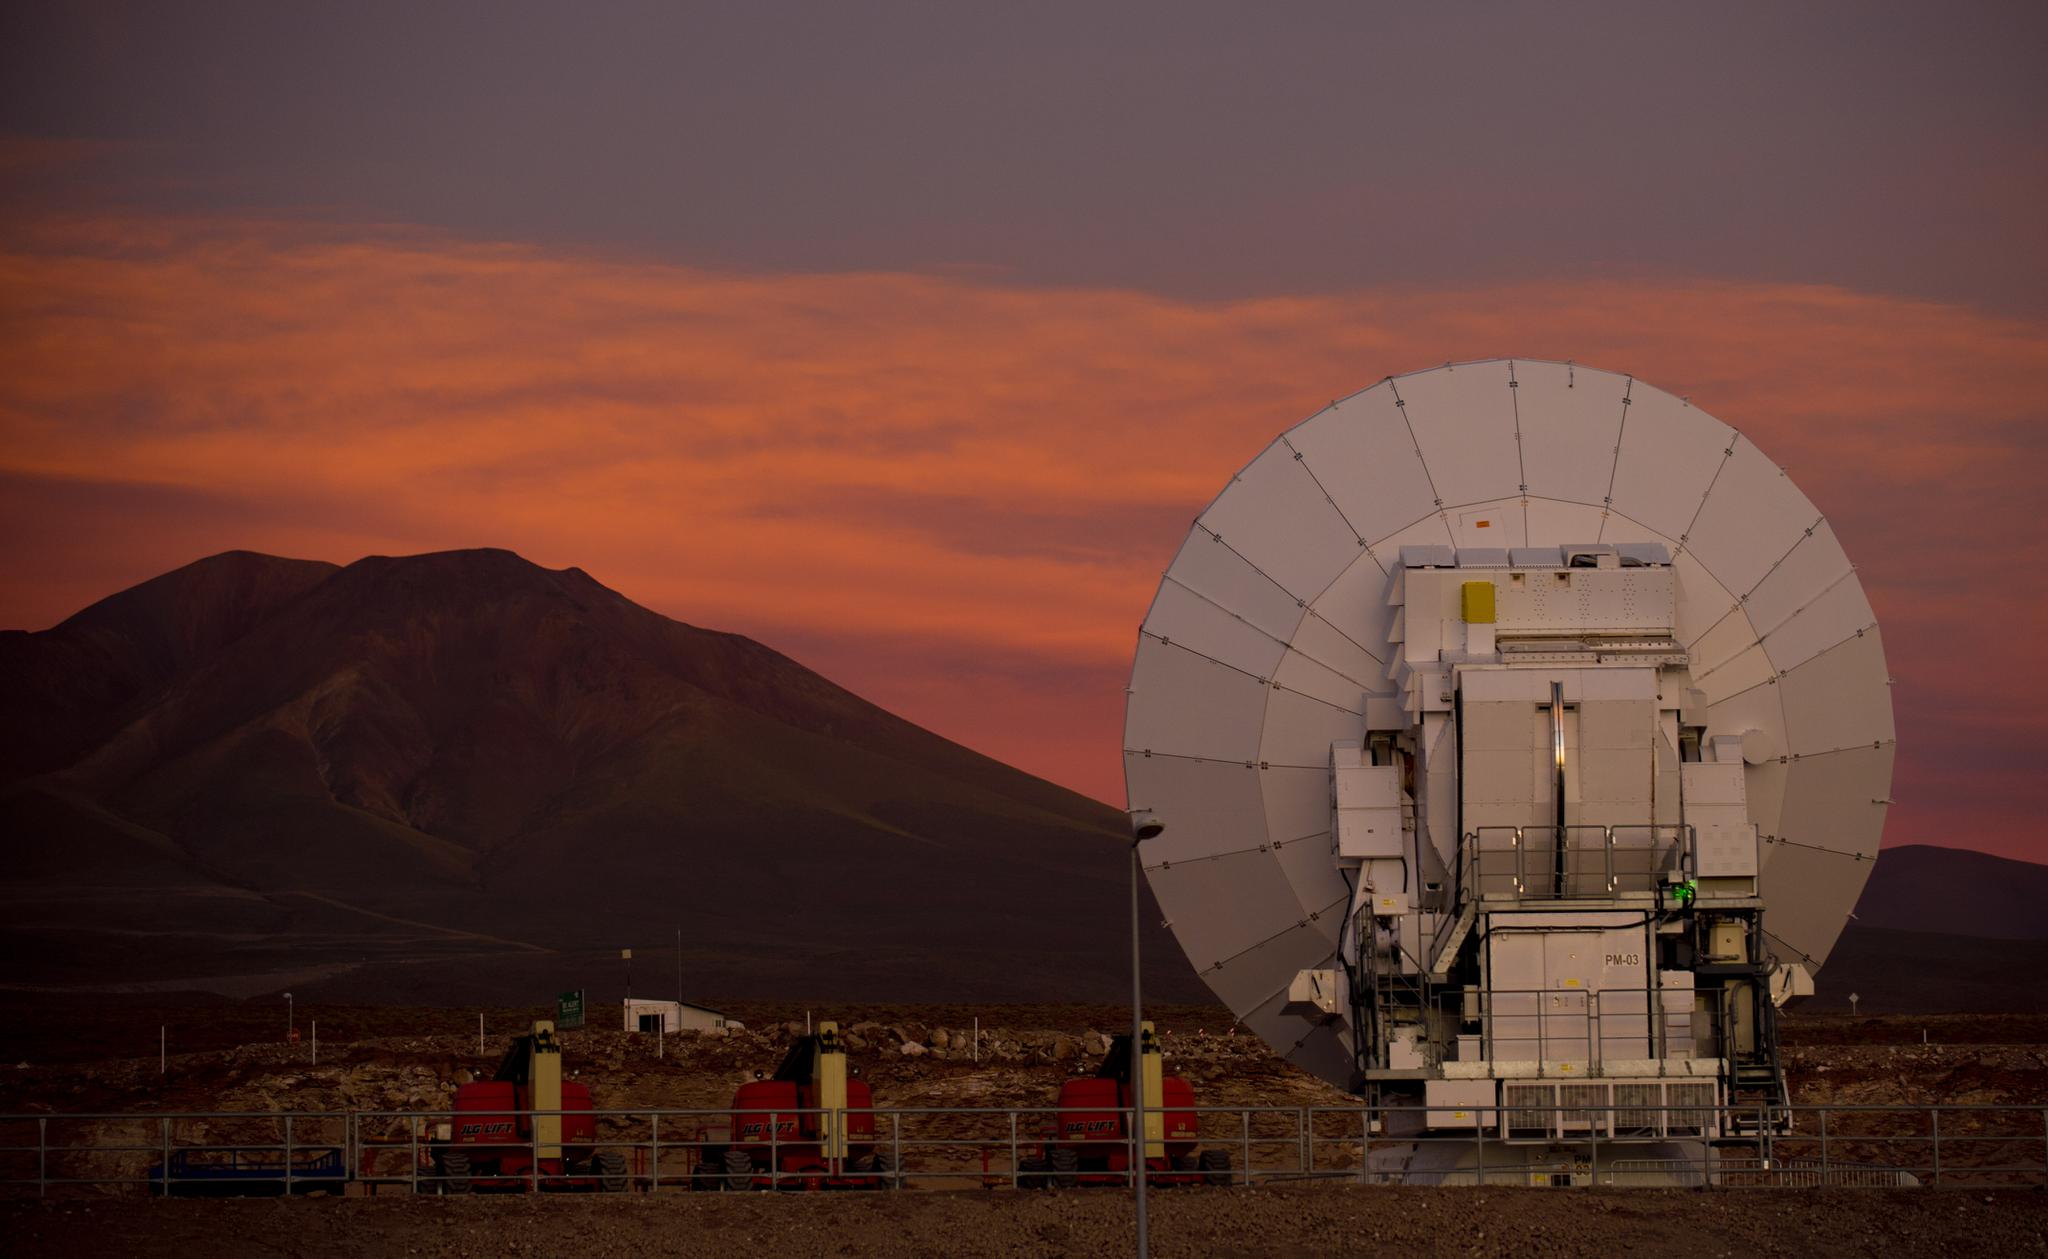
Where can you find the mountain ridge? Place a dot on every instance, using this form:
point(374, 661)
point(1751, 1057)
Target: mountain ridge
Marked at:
point(469, 741)
point(1956, 891)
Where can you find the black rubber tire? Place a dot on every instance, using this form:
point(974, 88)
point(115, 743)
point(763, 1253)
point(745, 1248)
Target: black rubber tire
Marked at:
point(709, 1173)
point(739, 1168)
point(1217, 1164)
point(455, 1171)
point(885, 1167)
point(1031, 1173)
point(610, 1169)
point(1065, 1164)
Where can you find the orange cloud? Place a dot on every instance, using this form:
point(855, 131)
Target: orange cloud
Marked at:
point(954, 496)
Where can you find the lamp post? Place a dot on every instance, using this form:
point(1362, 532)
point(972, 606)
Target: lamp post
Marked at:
point(1144, 825)
point(291, 1023)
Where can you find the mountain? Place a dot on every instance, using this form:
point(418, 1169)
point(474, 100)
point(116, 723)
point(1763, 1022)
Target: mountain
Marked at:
point(1943, 930)
point(64, 686)
point(1919, 887)
point(1925, 972)
point(427, 777)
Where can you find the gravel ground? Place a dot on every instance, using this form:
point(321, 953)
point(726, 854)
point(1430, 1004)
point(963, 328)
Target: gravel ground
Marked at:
point(1216, 1224)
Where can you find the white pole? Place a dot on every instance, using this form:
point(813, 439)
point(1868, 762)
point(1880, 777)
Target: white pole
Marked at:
point(807, 1022)
point(479, 1035)
point(163, 1050)
point(316, 1042)
point(660, 1035)
point(977, 1038)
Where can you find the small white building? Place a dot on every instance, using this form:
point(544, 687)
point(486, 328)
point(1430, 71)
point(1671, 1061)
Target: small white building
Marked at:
point(644, 1014)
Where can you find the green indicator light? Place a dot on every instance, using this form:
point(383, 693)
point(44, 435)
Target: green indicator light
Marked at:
point(1684, 892)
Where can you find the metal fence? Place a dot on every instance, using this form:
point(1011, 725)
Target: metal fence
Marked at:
point(286, 1152)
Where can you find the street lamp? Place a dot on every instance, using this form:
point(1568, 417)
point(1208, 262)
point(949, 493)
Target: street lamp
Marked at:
point(291, 1024)
point(1145, 825)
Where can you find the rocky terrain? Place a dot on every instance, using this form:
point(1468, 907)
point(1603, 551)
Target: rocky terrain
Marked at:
point(912, 1055)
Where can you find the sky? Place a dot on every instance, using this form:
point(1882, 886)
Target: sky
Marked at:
point(909, 339)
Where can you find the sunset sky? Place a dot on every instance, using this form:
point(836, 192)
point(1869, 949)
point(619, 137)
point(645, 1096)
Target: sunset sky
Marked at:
point(909, 340)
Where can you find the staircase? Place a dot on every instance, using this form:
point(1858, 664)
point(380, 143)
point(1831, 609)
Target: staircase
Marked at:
point(1759, 1102)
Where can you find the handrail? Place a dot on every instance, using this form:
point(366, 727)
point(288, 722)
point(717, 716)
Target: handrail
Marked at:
point(1667, 847)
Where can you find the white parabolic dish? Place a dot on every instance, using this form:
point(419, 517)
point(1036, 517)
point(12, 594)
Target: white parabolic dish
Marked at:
point(1271, 627)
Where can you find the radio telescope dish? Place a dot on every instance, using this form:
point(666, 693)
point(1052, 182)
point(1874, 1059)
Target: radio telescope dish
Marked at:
point(1270, 634)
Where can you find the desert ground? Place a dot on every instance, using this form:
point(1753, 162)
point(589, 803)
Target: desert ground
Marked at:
point(1288, 1220)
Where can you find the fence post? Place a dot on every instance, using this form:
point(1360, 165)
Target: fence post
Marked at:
point(1301, 1139)
point(1364, 1145)
point(167, 1155)
point(1481, 1116)
point(42, 1156)
point(654, 1155)
point(1823, 1145)
point(533, 1136)
point(896, 1148)
point(774, 1151)
point(412, 1130)
point(1934, 1114)
point(1721, 1123)
point(287, 1154)
point(1245, 1123)
point(1013, 1151)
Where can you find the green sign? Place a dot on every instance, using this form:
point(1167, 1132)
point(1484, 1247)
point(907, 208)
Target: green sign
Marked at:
point(569, 1009)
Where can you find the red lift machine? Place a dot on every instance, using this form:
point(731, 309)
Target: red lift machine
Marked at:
point(1091, 1143)
point(502, 1126)
point(809, 1126)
